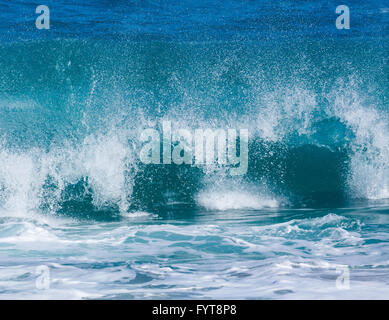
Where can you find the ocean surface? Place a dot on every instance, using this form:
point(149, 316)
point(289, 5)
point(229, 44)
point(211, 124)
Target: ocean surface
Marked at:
point(81, 217)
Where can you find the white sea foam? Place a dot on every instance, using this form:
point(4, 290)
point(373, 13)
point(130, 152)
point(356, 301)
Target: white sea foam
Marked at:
point(230, 200)
point(102, 159)
point(369, 167)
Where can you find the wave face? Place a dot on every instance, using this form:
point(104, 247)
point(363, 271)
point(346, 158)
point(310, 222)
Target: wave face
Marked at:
point(71, 113)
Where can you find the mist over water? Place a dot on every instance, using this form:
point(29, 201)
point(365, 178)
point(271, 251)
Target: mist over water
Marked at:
point(74, 195)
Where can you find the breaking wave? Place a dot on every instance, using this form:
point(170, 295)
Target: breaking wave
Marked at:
point(71, 113)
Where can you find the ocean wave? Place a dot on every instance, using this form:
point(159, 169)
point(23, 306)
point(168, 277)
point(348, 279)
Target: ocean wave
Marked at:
point(70, 135)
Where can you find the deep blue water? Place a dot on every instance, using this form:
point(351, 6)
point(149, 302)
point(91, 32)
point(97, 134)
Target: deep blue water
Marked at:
point(76, 199)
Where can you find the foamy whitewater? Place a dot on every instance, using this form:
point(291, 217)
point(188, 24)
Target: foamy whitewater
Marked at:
point(81, 217)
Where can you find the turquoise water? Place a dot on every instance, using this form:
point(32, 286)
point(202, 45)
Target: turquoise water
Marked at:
point(76, 199)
